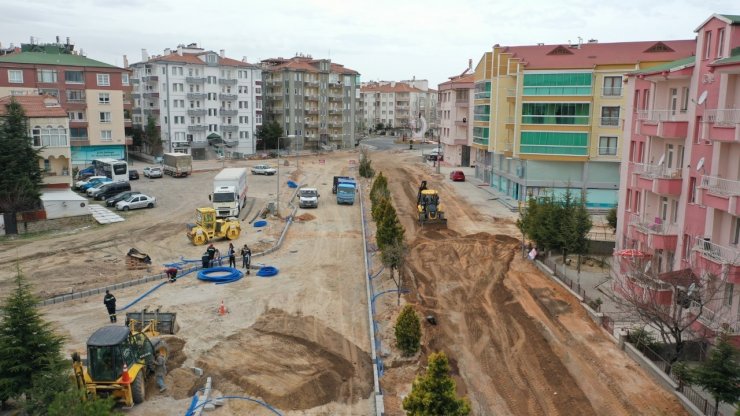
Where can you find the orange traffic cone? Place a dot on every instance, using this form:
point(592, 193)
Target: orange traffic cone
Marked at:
point(125, 378)
point(222, 309)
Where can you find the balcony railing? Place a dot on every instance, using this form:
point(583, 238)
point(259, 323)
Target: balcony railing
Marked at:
point(715, 320)
point(227, 97)
point(228, 128)
point(723, 117)
point(197, 128)
point(655, 226)
point(721, 254)
point(610, 121)
point(720, 186)
point(151, 95)
point(611, 92)
point(656, 171)
point(335, 111)
point(197, 112)
point(195, 80)
point(227, 112)
point(226, 81)
point(655, 116)
point(196, 96)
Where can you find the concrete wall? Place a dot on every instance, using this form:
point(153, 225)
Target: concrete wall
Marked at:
point(55, 224)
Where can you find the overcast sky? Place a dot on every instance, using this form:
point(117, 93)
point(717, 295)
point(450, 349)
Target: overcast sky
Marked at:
point(382, 39)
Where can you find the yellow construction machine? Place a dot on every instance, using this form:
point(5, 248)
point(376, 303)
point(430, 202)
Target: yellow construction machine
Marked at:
point(118, 363)
point(208, 227)
point(429, 208)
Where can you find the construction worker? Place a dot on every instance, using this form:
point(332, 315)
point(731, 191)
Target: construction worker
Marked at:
point(160, 370)
point(246, 257)
point(232, 256)
point(171, 273)
point(211, 252)
point(110, 303)
point(206, 260)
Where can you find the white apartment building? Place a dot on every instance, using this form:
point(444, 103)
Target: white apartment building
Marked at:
point(398, 105)
point(200, 100)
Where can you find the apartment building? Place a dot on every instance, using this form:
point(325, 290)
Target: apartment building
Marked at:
point(315, 100)
point(399, 104)
point(200, 99)
point(48, 126)
point(547, 117)
point(455, 105)
point(680, 195)
point(92, 93)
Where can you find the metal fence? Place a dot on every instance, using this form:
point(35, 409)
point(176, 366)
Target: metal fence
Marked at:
point(562, 275)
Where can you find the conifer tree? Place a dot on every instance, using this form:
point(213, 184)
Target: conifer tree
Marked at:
point(720, 373)
point(389, 229)
point(408, 331)
point(434, 392)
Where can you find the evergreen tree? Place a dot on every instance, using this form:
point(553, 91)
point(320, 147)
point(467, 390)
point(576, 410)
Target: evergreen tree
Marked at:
point(379, 188)
point(20, 173)
point(268, 135)
point(30, 352)
point(408, 331)
point(611, 218)
point(389, 229)
point(393, 256)
point(434, 392)
point(381, 209)
point(720, 373)
point(69, 402)
point(152, 137)
point(366, 170)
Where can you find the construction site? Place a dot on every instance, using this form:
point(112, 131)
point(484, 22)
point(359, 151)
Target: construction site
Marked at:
point(300, 341)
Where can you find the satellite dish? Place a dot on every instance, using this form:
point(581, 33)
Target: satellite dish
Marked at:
point(661, 160)
point(700, 165)
point(692, 288)
point(702, 98)
point(647, 266)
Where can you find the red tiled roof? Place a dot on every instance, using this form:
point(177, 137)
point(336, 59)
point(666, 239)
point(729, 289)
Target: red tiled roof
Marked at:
point(193, 58)
point(35, 106)
point(590, 54)
point(398, 87)
point(306, 64)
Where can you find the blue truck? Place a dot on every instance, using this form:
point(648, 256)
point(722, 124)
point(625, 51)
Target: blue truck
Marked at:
point(346, 189)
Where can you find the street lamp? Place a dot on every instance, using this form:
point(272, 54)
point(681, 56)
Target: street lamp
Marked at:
point(277, 190)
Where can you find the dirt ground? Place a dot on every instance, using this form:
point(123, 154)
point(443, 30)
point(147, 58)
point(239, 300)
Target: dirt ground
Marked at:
point(518, 343)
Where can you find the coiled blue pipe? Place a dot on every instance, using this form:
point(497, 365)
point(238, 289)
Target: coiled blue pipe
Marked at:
point(267, 271)
point(292, 184)
point(260, 223)
point(220, 275)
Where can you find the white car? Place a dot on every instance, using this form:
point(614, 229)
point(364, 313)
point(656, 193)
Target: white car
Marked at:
point(263, 170)
point(79, 184)
point(135, 202)
point(155, 173)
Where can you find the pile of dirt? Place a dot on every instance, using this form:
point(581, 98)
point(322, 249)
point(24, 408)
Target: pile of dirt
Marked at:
point(175, 346)
point(183, 383)
point(291, 362)
point(305, 217)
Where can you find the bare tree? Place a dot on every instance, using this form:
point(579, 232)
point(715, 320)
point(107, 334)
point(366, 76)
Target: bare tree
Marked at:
point(393, 256)
point(672, 302)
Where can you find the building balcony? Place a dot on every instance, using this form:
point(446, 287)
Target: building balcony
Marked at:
point(654, 233)
point(312, 111)
point(227, 112)
point(135, 80)
point(311, 97)
point(721, 261)
point(669, 124)
point(150, 78)
point(198, 112)
point(724, 125)
point(510, 93)
point(462, 103)
point(229, 128)
point(336, 98)
point(480, 141)
point(508, 148)
point(57, 177)
point(197, 128)
point(227, 97)
point(719, 320)
point(658, 178)
point(152, 112)
point(79, 141)
point(151, 95)
point(722, 194)
point(127, 122)
point(195, 80)
point(461, 123)
point(334, 124)
point(199, 144)
point(311, 83)
point(226, 81)
point(335, 111)
point(136, 95)
point(196, 96)
point(312, 123)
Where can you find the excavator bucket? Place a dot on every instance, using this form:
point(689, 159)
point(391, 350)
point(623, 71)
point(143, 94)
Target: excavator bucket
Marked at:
point(152, 323)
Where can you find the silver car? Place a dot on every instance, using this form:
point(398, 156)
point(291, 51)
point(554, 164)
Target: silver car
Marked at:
point(135, 202)
point(263, 170)
point(155, 173)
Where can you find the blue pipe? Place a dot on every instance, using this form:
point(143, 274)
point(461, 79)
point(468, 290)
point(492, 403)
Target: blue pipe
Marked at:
point(232, 275)
point(267, 271)
point(148, 292)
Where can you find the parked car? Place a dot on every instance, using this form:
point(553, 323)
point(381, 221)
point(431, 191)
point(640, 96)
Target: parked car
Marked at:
point(112, 201)
point(93, 190)
point(133, 174)
point(263, 170)
point(155, 172)
point(136, 202)
point(81, 182)
point(92, 183)
point(146, 171)
point(111, 189)
point(457, 176)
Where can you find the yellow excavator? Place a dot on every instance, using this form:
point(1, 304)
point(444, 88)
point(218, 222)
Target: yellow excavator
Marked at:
point(429, 208)
point(208, 227)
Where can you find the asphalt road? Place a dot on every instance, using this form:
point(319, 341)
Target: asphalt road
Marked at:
point(388, 142)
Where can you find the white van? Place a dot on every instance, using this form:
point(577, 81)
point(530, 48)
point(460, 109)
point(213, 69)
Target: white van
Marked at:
point(308, 198)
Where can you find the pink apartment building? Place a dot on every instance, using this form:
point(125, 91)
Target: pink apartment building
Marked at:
point(680, 176)
point(455, 101)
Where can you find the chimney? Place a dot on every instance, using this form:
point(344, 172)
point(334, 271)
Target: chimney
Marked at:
point(244, 59)
point(470, 64)
point(167, 51)
point(67, 40)
point(222, 53)
point(179, 50)
point(144, 55)
point(125, 61)
point(57, 39)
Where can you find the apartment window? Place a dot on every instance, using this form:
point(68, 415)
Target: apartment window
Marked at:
point(707, 44)
point(124, 79)
point(637, 202)
point(720, 41)
point(257, 90)
point(645, 99)
point(610, 116)
point(258, 119)
point(78, 133)
point(76, 115)
point(612, 86)
point(15, 76)
point(46, 75)
point(736, 232)
point(684, 99)
point(49, 136)
point(49, 91)
point(106, 135)
point(608, 145)
point(628, 201)
point(636, 104)
point(692, 190)
point(729, 289)
point(103, 98)
point(105, 116)
point(103, 80)
point(674, 211)
point(74, 77)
